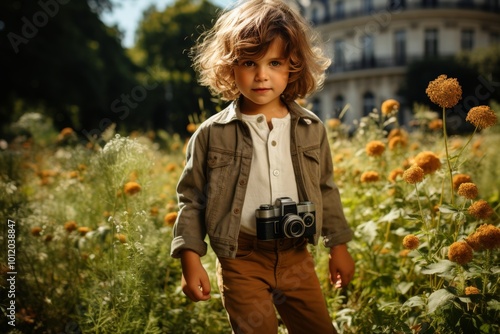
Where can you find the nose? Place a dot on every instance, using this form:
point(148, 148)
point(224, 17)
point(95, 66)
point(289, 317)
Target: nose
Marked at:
point(261, 73)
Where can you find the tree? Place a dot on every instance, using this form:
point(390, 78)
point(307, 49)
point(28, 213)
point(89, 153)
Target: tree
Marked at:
point(163, 40)
point(59, 56)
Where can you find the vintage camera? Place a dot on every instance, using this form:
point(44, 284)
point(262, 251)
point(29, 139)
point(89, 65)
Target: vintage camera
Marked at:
point(286, 219)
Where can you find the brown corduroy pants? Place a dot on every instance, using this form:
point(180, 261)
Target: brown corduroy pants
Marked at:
point(272, 275)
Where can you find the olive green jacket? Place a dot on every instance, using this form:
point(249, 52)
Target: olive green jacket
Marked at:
point(212, 187)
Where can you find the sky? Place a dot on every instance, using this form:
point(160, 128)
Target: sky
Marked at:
point(127, 14)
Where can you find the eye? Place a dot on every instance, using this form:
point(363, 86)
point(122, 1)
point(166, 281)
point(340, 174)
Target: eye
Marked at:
point(248, 63)
point(275, 63)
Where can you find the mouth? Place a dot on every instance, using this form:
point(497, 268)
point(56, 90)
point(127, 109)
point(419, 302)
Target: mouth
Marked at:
point(261, 90)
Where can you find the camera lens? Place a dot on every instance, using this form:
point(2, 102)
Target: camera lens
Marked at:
point(293, 226)
point(308, 219)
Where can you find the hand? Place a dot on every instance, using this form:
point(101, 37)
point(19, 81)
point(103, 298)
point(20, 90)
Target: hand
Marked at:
point(195, 282)
point(341, 266)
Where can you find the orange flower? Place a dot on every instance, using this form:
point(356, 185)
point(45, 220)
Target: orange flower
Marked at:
point(121, 238)
point(411, 242)
point(485, 237)
point(468, 190)
point(397, 142)
point(170, 218)
point(333, 123)
point(413, 175)
point(393, 175)
point(480, 210)
point(481, 117)
point(428, 161)
point(36, 231)
point(191, 127)
point(83, 230)
point(444, 91)
point(460, 252)
point(70, 226)
point(375, 148)
point(131, 188)
point(389, 106)
point(458, 179)
point(436, 124)
point(472, 290)
point(369, 176)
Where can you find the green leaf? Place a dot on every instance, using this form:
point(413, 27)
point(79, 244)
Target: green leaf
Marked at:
point(393, 215)
point(443, 266)
point(447, 209)
point(404, 287)
point(414, 301)
point(439, 298)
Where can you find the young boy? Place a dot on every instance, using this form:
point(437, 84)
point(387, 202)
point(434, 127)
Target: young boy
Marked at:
point(259, 177)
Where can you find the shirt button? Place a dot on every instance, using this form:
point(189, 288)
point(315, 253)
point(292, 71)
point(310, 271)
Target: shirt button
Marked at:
point(260, 119)
point(236, 211)
point(274, 143)
point(276, 172)
point(243, 182)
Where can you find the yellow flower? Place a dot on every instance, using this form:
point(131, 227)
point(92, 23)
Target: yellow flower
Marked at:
point(468, 190)
point(411, 242)
point(413, 175)
point(170, 218)
point(70, 226)
point(444, 91)
point(458, 179)
point(480, 210)
point(428, 161)
point(370, 176)
point(131, 188)
point(460, 252)
point(472, 290)
point(375, 148)
point(481, 117)
point(389, 106)
point(485, 237)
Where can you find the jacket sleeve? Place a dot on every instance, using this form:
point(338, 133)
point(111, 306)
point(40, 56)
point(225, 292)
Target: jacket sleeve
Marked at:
point(335, 230)
point(189, 229)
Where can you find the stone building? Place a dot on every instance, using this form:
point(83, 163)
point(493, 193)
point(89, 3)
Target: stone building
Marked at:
point(372, 42)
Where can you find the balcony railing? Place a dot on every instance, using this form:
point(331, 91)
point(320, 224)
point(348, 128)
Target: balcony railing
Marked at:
point(397, 6)
point(375, 63)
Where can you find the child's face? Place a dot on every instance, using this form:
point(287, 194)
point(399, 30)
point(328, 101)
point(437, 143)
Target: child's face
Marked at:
point(262, 81)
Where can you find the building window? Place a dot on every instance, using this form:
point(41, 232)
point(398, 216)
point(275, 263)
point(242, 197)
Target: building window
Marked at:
point(494, 38)
point(467, 39)
point(429, 3)
point(368, 103)
point(338, 55)
point(367, 6)
point(397, 4)
point(316, 107)
point(400, 47)
point(339, 10)
point(431, 43)
point(338, 105)
point(368, 55)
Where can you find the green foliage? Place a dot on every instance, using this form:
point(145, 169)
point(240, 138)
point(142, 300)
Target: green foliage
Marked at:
point(94, 227)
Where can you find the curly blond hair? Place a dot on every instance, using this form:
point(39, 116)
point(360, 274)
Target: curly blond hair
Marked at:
point(247, 30)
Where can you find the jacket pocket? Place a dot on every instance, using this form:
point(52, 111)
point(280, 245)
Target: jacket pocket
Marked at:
point(312, 166)
point(219, 182)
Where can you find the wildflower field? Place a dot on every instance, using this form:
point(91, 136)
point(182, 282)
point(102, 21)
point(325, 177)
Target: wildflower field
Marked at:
point(92, 223)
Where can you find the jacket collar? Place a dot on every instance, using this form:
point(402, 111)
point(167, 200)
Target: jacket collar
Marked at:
point(232, 113)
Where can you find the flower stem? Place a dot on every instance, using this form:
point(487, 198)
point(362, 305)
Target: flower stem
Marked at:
point(445, 135)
